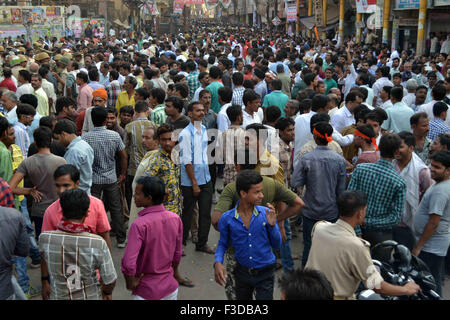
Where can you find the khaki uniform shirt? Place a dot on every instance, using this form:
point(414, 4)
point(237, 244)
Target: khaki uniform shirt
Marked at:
point(343, 258)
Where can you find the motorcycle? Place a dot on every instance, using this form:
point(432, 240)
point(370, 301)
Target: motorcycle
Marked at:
point(398, 266)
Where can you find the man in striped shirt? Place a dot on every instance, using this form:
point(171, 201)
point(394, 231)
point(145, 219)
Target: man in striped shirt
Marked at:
point(72, 254)
point(133, 143)
point(157, 97)
point(113, 88)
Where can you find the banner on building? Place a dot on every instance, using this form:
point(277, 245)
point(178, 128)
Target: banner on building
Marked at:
point(407, 4)
point(188, 2)
point(178, 7)
point(438, 3)
point(46, 21)
point(291, 12)
point(225, 3)
point(379, 16)
point(318, 13)
point(211, 4)
point(366, 6)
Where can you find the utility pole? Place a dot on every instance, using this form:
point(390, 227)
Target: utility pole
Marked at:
point(341, 19)
point(324, 33)
point(421, 28)
point(386, 14)
point(358, 28)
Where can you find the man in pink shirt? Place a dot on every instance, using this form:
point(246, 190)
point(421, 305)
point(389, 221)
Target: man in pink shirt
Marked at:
point(154, 245)
point(84, 99)
point(67, 177)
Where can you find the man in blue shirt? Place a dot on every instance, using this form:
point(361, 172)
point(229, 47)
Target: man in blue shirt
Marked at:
point(254, 233)
point(195, 178)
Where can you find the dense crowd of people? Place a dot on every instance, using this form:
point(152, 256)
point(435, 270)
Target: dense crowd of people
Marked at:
point(106, 141)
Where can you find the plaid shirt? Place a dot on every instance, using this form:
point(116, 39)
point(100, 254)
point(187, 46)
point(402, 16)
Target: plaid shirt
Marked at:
point(133, 142)
point(72, 260)
point(113, 89)
point(193, 83)
point(6, 195)
point(385, 191)
point(437, 127)
point(238, 93)
point(106, 144)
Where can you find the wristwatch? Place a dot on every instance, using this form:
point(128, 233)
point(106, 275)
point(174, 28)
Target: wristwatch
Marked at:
point(47, 278)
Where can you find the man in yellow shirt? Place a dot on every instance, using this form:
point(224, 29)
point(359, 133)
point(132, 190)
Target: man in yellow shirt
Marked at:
point(126, 98)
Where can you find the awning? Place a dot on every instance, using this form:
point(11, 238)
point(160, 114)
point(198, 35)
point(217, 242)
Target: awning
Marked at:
point(332, 19)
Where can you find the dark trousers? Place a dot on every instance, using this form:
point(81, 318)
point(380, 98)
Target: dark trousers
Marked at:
point(436, 265)
point(404, 235)
point(204, 212)
point(111, 193)
point(213, 174)
point(447, 263)
point(308, 225)
point(38, 221)
point(376, 236)
point(261, 283)
point(129, 189)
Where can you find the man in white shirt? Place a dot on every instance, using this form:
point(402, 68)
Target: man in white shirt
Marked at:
point(382, 81)
point(252, 102)
point(25, 84)
point(225, 96)
point(9, 102)
point(363, 81)
point(344, 116)
point(385, 95)
point(352, 75)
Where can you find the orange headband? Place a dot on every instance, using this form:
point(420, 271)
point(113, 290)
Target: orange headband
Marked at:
point(326, 137)
point(362, 135)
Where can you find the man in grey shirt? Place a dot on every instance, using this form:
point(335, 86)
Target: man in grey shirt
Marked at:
point(322, 171)
point(14, 241)
point(432, 221)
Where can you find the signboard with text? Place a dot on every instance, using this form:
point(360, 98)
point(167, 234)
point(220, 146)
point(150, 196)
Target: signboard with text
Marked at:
point(366, 6)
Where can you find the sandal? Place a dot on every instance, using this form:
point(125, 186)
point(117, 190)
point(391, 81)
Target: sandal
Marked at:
point(186, 283)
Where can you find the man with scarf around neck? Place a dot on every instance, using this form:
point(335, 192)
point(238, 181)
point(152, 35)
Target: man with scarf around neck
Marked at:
point(418, 179)
point(71, 255)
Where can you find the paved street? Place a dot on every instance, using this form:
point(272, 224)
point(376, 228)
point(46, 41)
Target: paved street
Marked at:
point(198, 267)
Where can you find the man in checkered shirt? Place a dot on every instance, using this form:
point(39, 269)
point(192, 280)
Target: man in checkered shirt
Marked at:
point(385, 191)
point(71, 256)
point(113, 88)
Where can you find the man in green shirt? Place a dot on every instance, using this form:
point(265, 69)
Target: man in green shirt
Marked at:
point(276, 97)
point(329, 81)
point(157, 98)
point(215, 74)
point(6, 139)
point(273, 191)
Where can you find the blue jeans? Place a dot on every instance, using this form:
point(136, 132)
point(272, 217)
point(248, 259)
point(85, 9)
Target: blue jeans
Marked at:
point(261, 284)
point(18, 292)
point(21, 270)
point(34, 250)
point(285, 250)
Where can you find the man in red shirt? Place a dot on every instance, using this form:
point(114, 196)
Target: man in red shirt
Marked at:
point(67, 177)
point(8, 82)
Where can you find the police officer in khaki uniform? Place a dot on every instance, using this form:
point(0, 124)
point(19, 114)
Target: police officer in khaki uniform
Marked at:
point(344, 258)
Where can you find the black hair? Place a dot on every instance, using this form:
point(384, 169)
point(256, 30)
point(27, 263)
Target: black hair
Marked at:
point(43, 137)
point(438, 92)
point(283, 123)
point(389, 144)
point(439, 108)
point(177, 102)
point(74, 203)
point(29, 99)
point(259, 129)
point(319, 101)
point(309, 78)
point(131, 80)
point(238, 78)
point(245, 179)
point(351, 201)
point(67, 169)
point(191, 105)
point(385, 71)
point(233, 112)
point(387, 89)
point(93, 74)
point(225, 94)
point(99, 115)
point(43, 71)
point(443, 157)
point(215, 72)
point(351, 96)
point(164, 128)
point(378, 115)
point(25, 74)
point(143, 92)
point(25, 109)
point(414, 120)
point(159, 94)
point(408, 138)
point(125, 109)
point(276, 84)
point(83, 76)
point(324, 128)
point(66, 126)
point(397, 93)
point(114, 74)
point(249, 96)
point(64, 102)
point(47, 121)
point(367, 129)
point(141, 106)
point(153, 187)
point(273, 113)
point(4, 125)
point(444, 139)
point(306, 284)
